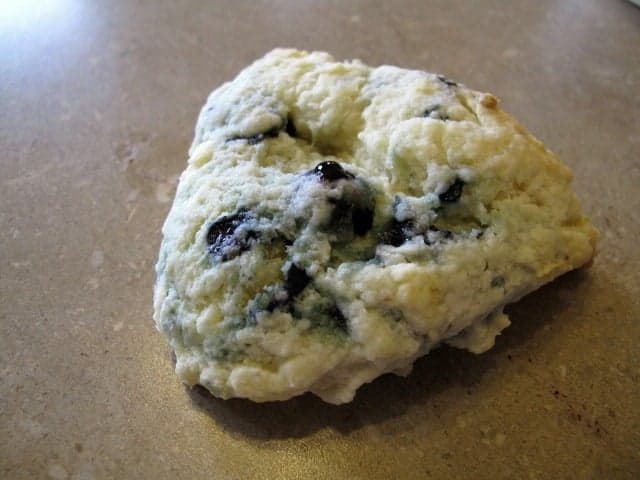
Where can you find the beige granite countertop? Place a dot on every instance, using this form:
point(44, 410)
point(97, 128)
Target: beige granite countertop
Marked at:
point(98, 101)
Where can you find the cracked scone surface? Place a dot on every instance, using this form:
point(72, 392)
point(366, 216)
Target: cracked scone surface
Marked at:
point(337, 221)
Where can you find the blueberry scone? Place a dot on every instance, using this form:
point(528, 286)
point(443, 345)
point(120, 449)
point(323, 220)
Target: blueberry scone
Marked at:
point(335, 222)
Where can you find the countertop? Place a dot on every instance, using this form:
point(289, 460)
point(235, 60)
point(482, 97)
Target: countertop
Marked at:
point(98, 101)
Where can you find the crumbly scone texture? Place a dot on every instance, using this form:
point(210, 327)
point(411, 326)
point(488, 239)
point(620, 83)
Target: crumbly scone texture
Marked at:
point(337, 221)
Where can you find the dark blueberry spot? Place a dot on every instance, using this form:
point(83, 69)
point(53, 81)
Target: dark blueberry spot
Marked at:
point(340, 216)
point(429, 110)
point(296, 280)
point(396, 233)
point(453, 193)
point(258, 137)
point(446, 81)
point(434, 109)
point(278, 299)
point(271, 133)
point(224, 226)
point(445, 234)
point(286, 241)
point(338, 318)
point(497, 282)
point(362, 219)
point(290, 128)
point(274, 304)
point(221, 236)
point(331, 171)
point(255, 139)
point(345, 216)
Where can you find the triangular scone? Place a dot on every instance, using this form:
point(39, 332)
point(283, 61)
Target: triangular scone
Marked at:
point(336, 221)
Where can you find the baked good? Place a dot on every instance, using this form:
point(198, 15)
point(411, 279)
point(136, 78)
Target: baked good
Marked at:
point(335, 222)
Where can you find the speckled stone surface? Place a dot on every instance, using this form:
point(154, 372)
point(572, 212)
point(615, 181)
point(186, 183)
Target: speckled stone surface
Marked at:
point(98, 103)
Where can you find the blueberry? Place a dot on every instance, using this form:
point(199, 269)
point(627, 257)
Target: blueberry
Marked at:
point(396, 233)
point(222, 239)
point(271, 133)
point(362, 219)
point(341, 210)
point(275, 304)
point(296, 280)
point(453, 193)
point(345, 215)
point(429, 110)
point(338, 318)
point(434, 109)
point(331, 171)
point(258, 137)
point(446, 81)
point(445, 234)
point(290, 128)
